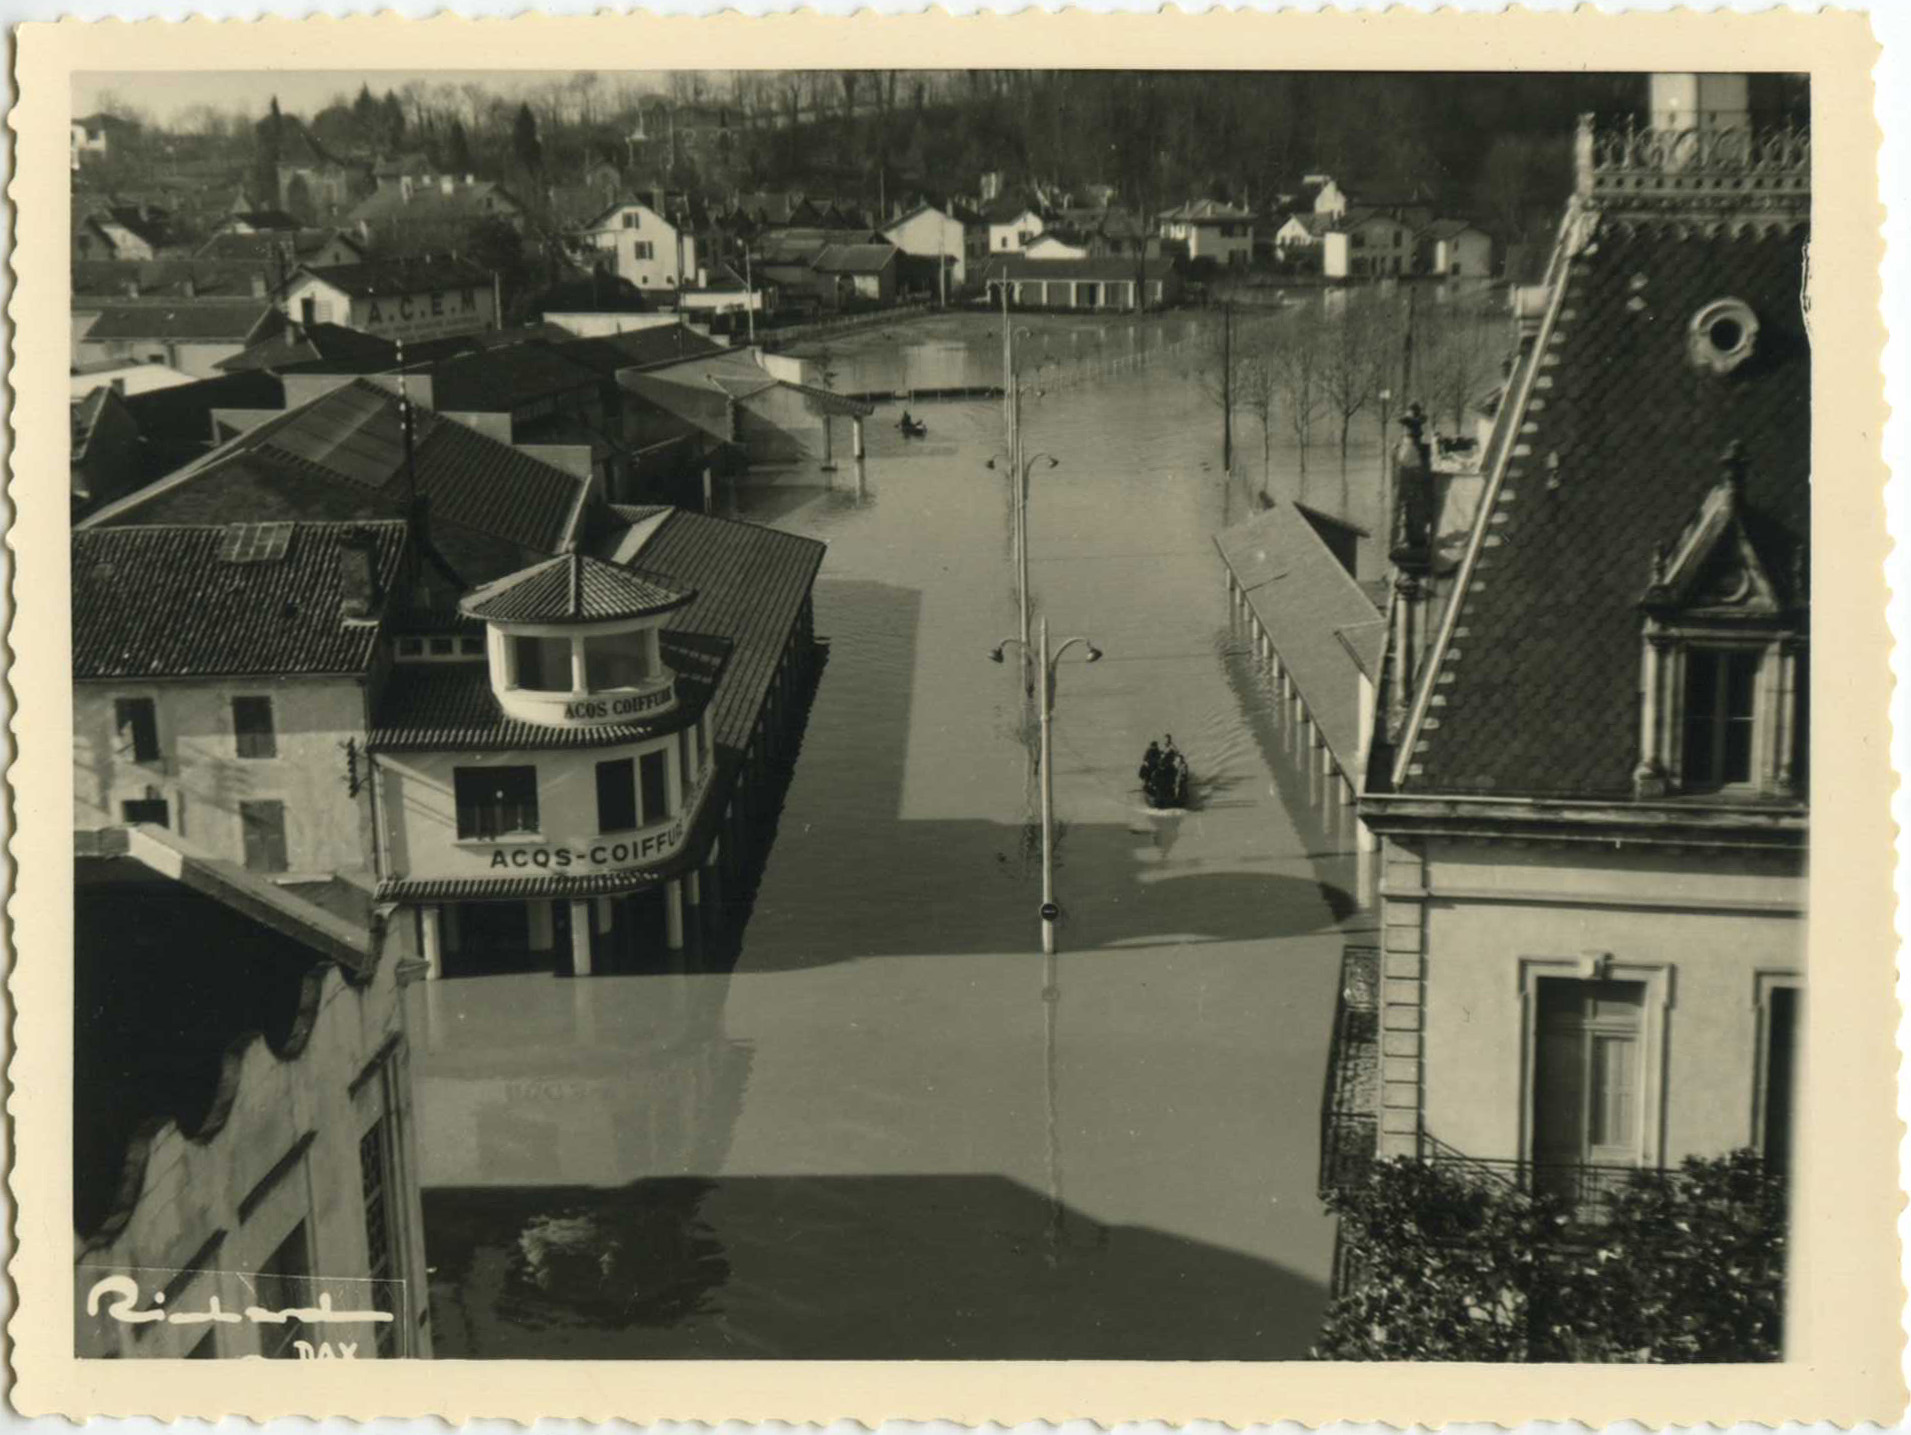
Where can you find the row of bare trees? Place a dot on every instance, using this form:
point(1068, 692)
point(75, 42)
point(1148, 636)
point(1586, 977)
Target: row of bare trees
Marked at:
point(1315, 367)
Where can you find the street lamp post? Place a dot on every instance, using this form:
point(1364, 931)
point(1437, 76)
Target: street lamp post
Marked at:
point(1019, 477)
point(1045, 664)
point(1386, 464)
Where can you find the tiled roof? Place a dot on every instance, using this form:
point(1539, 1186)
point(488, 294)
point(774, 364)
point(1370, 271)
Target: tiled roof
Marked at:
point(855, 258)
point(1616, 450)
point(1450, 228)
point(163, 602)
point(572, 588)
point(639, 348)
point(312, 343)
point(346, 448)
point(183, 320)
point(1305, 600)
point(590, 884)
point(266, 246)
point(429, 203)
point(1207, 211)
point(497, 381)
point(378, 277)
point(751, 584)
point(84, 414)
point(440, 707)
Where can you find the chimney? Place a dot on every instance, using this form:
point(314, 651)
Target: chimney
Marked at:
point(357, 576)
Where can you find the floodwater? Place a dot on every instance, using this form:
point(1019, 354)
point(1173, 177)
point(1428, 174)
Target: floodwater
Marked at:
point(894, 1129)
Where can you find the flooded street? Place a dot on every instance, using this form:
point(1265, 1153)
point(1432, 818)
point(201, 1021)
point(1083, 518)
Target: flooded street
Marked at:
point(894, 1129)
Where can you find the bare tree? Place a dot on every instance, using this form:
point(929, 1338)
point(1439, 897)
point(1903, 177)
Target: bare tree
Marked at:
point(1260, 390)
point(1298, 364)
point(1454, 353)
point(1354, 354)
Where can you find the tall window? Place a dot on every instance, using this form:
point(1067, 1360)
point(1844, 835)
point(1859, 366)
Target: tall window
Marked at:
point(1721, 686)
point(252, 727)
point(1588, 1073)
point(138, 726)
point(495, 801)
point(616, 795)
point(283, 1280)
point(643, 249)
point(650, 773)
point(375, 1185)
point(263, 822)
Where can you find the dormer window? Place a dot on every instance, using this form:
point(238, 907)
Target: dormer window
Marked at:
point(1723, 697)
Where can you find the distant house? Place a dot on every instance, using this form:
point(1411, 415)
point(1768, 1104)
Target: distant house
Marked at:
point(930, 232)
point(865, 272)
point(283, 250)
point(1211, 229)
point(314, 183)
point(647, 249)
point(92, 137)
point(723, 291)
point(122, 231)
point(1012, 223)
point(597, 304)
point(1099, 284)
point(258, 221)
point(1052, 246)
point(396, 298)
point(1456, 249)
point(1303, 229)
point(1324, 196)
point(104, 457)
point(190, 335)
point(1366, 244)
point(411, 213)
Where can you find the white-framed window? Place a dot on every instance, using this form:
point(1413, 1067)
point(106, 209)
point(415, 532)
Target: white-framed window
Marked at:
point(642, 249)
point(1592, 1067)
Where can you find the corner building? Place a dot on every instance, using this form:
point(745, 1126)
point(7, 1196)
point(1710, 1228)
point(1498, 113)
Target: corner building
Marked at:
point(563, 794)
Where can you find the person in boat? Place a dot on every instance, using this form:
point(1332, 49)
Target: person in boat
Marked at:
point(908, 425)
point(1150, 761)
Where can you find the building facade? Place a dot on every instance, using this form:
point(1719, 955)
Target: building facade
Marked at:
point(245, 1132)
point(1590, 778)
point(396, 299)
point(193, 713)
point(927, 232)
point(648, 249)
point(1212, 230)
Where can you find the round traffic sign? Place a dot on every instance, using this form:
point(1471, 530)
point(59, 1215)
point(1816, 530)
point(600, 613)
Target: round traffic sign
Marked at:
point(1050, 911)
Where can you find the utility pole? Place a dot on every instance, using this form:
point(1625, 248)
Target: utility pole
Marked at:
point(1021, 511)
point(749, 295)
point(1048, 794)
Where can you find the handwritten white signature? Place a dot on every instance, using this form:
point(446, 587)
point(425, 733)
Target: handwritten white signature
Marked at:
point(123, 1292)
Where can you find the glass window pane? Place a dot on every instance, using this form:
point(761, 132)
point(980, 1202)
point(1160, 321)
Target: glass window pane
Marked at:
point(616, 796)
point(252, 727)
point(651, 773)
point(544, 664)
point(617, 660)
point(495, 801)
point(1615, 1093)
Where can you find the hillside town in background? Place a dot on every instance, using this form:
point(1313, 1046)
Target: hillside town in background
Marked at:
point(549, 530)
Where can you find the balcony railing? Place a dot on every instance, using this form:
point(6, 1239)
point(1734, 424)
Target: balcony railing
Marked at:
point(1584, 1189)
point(1349, 1125)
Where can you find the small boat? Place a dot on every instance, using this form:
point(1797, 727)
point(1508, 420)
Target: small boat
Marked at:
point(913, 428)
point(1164, 781)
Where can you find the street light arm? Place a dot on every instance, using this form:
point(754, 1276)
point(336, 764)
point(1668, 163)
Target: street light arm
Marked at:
point(1094, 653)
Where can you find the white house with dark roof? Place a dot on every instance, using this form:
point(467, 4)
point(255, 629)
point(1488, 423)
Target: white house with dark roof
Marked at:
point(424, 298)
point(1211, 229)
point(221, 680)
point(929, 232)
point(191, 335)
point(645, 247)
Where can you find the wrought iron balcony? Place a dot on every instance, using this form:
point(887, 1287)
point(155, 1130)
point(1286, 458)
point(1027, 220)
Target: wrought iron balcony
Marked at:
point(1349, 1126)
point(1585, 1190)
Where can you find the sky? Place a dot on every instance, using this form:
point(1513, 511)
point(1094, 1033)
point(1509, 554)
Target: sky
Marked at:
point(163, 94)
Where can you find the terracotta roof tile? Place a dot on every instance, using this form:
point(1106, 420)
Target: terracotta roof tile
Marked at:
point(572, 588)
point(163, 602)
